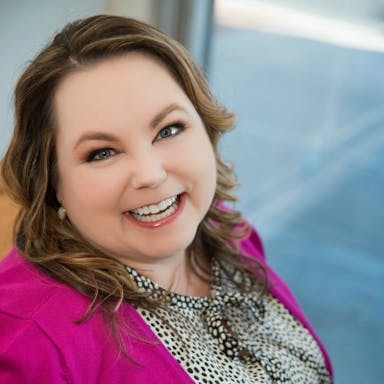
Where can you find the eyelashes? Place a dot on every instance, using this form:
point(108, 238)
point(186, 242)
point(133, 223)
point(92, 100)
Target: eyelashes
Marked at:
point(100, 154)
point(168, 132)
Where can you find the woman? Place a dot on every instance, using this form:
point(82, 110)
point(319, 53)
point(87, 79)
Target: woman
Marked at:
point(128, 268)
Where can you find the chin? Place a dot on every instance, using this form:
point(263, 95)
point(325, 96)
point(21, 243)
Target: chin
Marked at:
point(170, 248)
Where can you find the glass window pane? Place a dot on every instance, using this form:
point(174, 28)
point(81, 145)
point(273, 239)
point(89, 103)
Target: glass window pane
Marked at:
point(305, 80)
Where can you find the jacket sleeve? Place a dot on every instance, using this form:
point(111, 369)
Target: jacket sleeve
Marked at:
point(27, 354)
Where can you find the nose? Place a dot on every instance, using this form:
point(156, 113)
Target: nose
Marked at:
point(148, 172)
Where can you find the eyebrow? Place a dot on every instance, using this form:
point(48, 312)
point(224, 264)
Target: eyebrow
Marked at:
point(96, 136)
point(166, 111)
point(102, 136)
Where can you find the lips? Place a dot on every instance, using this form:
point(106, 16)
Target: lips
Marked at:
point(155, 212)
point(154, 209)
point(173, 207)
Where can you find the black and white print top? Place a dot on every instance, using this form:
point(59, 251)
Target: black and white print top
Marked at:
point(233, 337)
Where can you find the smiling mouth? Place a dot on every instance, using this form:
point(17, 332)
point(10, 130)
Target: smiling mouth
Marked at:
point(156, 212)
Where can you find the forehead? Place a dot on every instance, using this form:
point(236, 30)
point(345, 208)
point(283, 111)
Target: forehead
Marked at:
point(134, 82)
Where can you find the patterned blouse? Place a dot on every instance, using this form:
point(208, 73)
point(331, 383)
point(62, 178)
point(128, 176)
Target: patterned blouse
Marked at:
point(233, 337)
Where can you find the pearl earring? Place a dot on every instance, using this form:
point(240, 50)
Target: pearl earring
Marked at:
point(62, 213)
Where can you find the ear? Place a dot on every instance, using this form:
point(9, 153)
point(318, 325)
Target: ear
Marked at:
point(56, 185)
point(59, 196)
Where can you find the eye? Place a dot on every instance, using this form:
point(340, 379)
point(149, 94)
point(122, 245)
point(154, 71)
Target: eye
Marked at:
point(170, 131)
point(101, 154)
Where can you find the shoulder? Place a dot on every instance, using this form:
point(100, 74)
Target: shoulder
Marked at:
point(28, 305)
point(32, 300)
point(252, 246)
point(26, 292)
point(42, 341)
point(40, 316)
point(27, 354)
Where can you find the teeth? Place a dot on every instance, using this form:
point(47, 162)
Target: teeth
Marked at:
point(154, 209)
point(156, 217)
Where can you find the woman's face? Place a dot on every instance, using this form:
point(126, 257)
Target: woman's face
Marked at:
point(137, 172)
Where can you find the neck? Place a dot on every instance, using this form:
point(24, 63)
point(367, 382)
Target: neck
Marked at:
point(177, 276)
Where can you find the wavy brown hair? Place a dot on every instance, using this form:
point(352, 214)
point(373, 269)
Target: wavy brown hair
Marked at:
point(30, 167)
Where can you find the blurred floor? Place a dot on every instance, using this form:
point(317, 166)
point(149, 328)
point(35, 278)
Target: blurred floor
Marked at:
point(309, 151)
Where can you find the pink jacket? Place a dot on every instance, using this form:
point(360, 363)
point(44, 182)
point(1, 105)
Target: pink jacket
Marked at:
point(41, 343)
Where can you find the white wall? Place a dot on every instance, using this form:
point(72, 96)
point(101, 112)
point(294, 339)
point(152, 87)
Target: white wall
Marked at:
point(26, 26)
